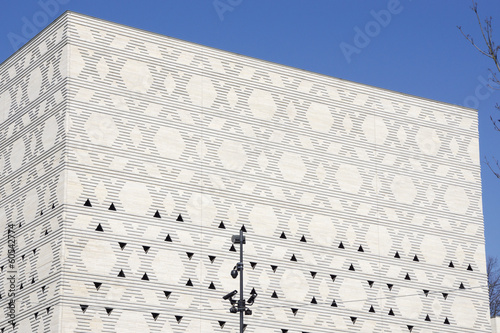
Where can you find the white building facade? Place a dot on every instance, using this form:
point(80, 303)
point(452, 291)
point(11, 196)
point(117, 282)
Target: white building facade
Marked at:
point(128, 160)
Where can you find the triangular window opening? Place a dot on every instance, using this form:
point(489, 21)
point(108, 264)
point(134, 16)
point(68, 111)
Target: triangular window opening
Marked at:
point(179, 218)
point(283, 236)
point(221, 225)
point(112, 207)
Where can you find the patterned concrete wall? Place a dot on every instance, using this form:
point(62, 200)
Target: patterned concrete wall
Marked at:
point(33, 90)
point(362, 207)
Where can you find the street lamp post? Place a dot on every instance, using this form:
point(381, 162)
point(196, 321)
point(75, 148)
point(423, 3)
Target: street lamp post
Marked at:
point(238, 269)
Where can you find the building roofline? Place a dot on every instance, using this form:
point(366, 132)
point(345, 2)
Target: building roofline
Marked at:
point(69, 12)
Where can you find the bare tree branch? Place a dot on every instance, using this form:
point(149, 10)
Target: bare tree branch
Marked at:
point(493, 270)
point(491, 51)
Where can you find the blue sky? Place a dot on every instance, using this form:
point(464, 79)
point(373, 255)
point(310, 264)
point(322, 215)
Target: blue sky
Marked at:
point(417, 49)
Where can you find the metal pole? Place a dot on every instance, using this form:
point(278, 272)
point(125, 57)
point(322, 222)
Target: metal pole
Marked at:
point(241, 306)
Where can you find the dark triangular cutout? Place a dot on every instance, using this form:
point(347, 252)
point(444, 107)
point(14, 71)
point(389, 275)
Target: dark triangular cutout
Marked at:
point(43, 288)
point(274, 268)
point(284, 330)
point(99, 228)
point(351, 268)
point(41, 212)
point(36, 315)
point(109, 310)
point(146, 248)
point(97, 285)
point(469, 268)
point(84, 307)
point(313, 274)
point(243, 228)
point(415, 258)
point(47, 310)
point(157, 215)
point(397, 255)
point(353, 319)
point(167, 294)
point(293, 258)
point(427, 318)
point(112, 207)
point(221, 225)
point(122, 245)
point(222, 323)
point(461, 286)
point(333, 277)
point(244, 327)
point(190, 255)
point(168, 239)
point(121, 274)
point(371, 309)
point(53, 206)
point(253, 292)
point(22, 257)
point(389, 285)
point(341, 246)
point(370, 283)
point(46, 232)
point(391, 313)
point(283, 235)
point(145, 277)
point(274, 295)
point(303, 239)
point(313, 301)
point(178, 318)
point(34, 251)
point(360, 249)
point(155, 315)
point(294, 311)
point(410, 328)
point(407, 277)
point(232, 248)
point(211, 286)
point(212, 258)
point(189, 283)
point(334, 304)
point(87, 203)
point(179, 218)
point(451, 264)
point(253, 264)
point(426, 293)
point(445, 295)
point(21, 286)
point(32, 280)
point(446, 321)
